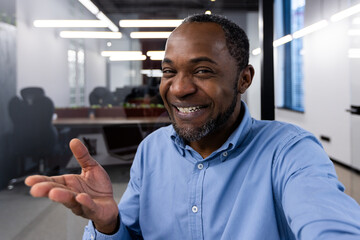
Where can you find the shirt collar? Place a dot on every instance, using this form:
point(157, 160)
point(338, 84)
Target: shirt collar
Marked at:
point(235, 139)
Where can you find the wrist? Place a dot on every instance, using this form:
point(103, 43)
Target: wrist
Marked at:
point(110, 228)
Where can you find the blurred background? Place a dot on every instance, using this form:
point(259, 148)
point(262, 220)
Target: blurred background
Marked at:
point(87, 69)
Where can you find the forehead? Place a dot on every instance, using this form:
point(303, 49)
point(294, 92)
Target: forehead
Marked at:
point(196, 38)
point(196, 29)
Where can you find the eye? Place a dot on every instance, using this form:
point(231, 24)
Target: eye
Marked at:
point(204, 72)
point(168, 72)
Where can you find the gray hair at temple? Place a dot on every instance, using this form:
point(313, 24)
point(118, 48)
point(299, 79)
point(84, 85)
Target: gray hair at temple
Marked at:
point(237, 41)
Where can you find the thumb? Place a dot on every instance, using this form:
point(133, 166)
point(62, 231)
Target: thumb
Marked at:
point(81, 153)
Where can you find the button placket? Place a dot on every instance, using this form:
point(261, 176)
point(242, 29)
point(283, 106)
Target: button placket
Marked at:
point(224, 155)
point(195, 214)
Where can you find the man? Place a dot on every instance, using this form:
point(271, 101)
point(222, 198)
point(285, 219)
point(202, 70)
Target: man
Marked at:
point(216, 173)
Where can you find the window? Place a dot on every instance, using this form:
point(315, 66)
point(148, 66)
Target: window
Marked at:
point(289, 17)
point(76, 62)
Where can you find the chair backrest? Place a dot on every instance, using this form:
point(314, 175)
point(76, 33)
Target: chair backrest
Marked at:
point(29, 93)
point(101, 96)
point(34, 134)
point(47, 135)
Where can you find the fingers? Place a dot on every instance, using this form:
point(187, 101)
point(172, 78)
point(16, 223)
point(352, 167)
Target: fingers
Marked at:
point(81, 154)
point(62, 195)
point(89, 207)
point(80, 204)
point(67, 198)
point(32, 180)
point(42, 189)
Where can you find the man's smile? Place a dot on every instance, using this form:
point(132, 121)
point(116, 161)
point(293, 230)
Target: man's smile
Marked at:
point(189, 112)
point(188, 109)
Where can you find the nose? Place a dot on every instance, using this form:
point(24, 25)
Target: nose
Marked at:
point(182, 86)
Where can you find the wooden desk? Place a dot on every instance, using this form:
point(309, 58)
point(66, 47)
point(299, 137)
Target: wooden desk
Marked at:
point(102, 156)
point(92, 128)
point(110, 121)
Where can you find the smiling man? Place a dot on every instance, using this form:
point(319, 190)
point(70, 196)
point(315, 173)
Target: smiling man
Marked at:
point(202, 83)
point(215, 173)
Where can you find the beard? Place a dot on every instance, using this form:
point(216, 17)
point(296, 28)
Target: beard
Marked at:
point(195, 134)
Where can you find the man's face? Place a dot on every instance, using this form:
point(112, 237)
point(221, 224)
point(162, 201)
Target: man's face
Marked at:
point(199, 83)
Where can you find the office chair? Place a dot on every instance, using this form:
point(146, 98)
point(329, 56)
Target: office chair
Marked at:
point(34, 138)
point(29, 93)
point(101, 96)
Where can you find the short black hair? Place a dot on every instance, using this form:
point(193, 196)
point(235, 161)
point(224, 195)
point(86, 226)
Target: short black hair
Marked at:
point(237, 41)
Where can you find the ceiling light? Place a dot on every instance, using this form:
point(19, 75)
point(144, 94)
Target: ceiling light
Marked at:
point(256, 51)
point(150, 34)
point(90, 6)
point(152, 72)
point(282, 40)
point(109, 23)
point(345, 13)
point(90, 34)
point(69, 23)
point(128, 58)
point(156, 55)
point(150, 23)
point(109, 44)
point(208, 12)
point(120, 53)
point(312, 28)
point(354, 53)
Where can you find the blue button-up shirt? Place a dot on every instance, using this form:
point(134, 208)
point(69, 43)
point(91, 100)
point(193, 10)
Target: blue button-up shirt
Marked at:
point(269, 180)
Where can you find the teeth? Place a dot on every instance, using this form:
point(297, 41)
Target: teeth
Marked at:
point(188, 109)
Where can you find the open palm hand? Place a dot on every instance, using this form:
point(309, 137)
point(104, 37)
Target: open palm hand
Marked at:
point(88, 194)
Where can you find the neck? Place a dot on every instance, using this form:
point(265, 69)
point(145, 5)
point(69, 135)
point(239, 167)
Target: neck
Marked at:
point(216, 139)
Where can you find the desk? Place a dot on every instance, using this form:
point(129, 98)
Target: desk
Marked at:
point(109, 121)
point(102, 156)
point(92, 128)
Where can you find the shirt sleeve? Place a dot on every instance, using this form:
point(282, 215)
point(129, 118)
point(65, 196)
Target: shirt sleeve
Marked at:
point(311, 197)
point(91, 233)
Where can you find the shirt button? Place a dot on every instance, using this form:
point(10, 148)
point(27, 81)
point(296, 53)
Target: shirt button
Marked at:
point(194, 209)
point(225, 154)
point(200, 166)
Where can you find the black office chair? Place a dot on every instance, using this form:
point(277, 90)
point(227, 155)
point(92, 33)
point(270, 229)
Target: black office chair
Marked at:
point(30, 93)
point(34, 139)
point(101, 96)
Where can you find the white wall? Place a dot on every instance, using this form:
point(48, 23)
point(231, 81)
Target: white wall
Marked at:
point(326, 81)
point(95, 67)
point(42, 54)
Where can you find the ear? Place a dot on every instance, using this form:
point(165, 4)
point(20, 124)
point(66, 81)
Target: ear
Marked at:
point(245, 78)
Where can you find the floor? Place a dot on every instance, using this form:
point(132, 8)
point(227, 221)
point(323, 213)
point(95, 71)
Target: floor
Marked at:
point(25, 217)
point(350, 179)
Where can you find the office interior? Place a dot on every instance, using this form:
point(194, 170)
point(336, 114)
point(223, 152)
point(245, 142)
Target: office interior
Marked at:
point(84, 90)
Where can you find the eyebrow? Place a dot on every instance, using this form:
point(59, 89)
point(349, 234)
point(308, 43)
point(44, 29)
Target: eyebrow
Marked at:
point(202, 59)
point(194, 60)
point(166, 60)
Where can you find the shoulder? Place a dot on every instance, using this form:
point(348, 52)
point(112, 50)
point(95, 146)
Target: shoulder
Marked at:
point(281, 139)
point(281, 131)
